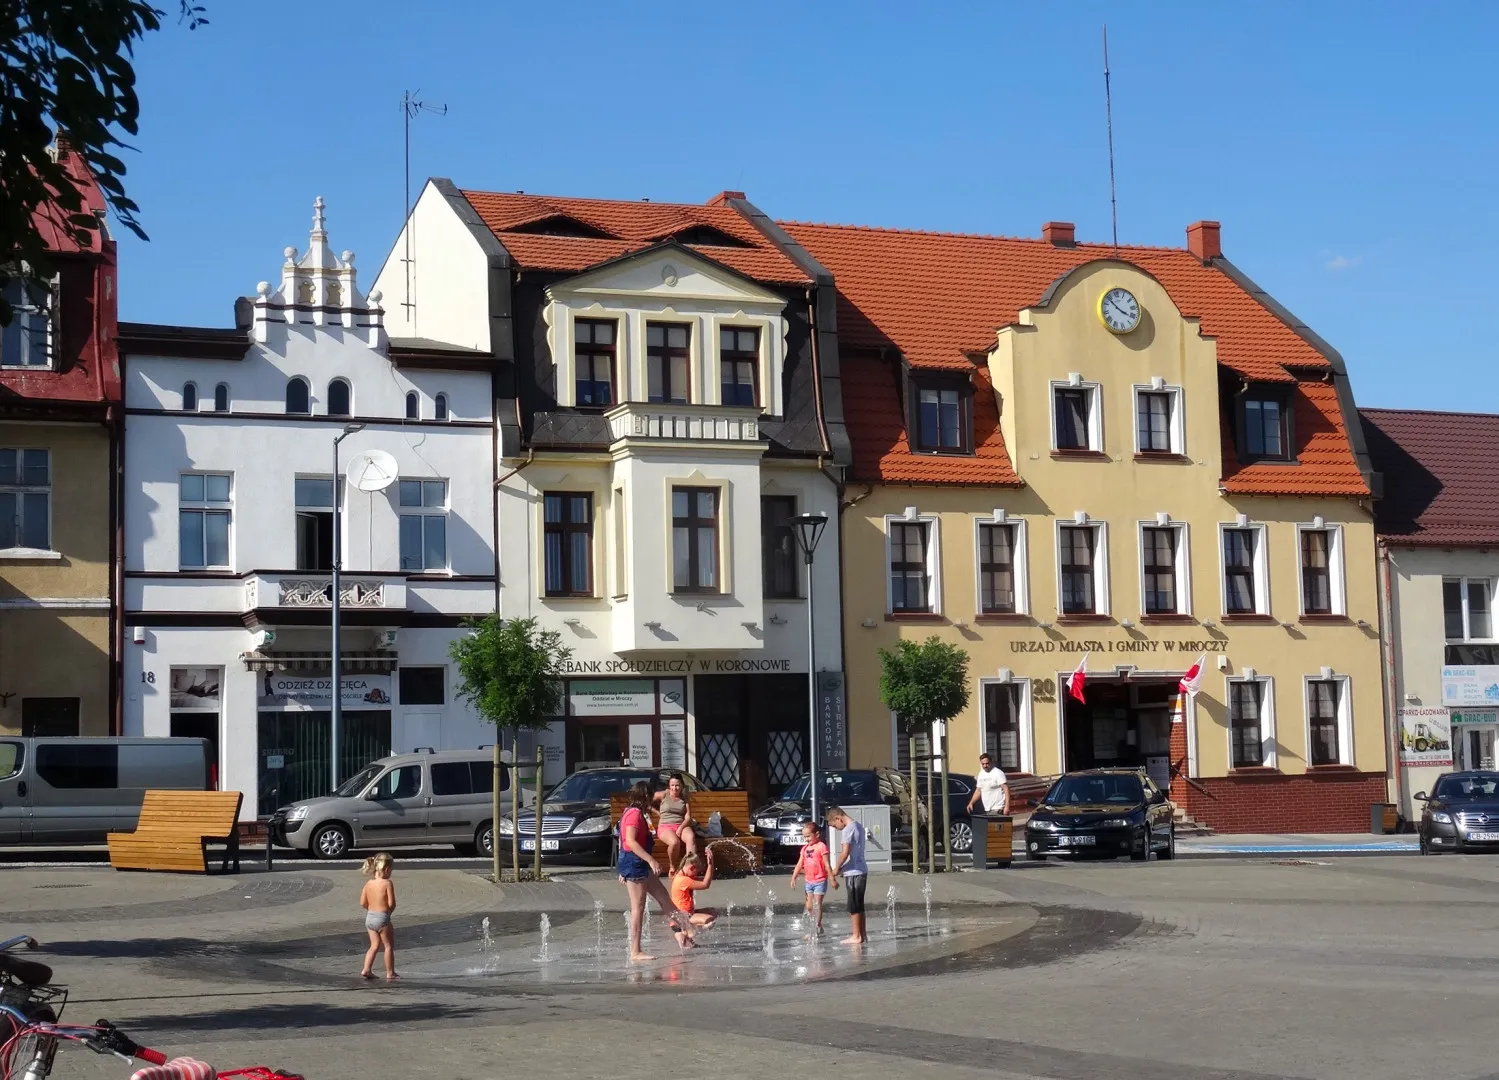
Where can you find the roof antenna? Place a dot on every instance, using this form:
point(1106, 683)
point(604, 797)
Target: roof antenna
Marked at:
point(410, 109)
point(1108, 111)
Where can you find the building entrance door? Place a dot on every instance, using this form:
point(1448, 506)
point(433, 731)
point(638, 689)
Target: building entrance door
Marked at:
point(1476, 747)
point(1124, 723)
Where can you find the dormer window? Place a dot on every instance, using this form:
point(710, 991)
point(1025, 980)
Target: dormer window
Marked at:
point(298, 398)
point(338, 398)
point(667, 355)
point(1265, 424)
point(944, 416)
point(27, 341)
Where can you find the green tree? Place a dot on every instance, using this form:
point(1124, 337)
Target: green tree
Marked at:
point(510, 671)
point(65, 67)
point(922, 683)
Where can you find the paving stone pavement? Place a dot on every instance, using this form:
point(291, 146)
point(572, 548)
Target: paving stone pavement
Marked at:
point(1372, 967)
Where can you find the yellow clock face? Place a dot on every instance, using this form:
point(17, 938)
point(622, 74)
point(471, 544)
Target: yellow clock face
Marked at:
point(1119, 310)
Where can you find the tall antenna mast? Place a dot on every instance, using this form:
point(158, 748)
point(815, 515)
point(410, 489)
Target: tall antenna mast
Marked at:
point(411, 107)
point(1108, 111)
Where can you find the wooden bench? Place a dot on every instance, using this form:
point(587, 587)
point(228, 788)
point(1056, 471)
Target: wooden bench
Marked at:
point(175, 829)
point(736, 851)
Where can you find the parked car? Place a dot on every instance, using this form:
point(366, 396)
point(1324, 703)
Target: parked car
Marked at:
point(406, 800)
point(575, 818)
point(780, 822)
point(1461, 813)
point(75, 790)
point(959, 791)
point(1108, 812)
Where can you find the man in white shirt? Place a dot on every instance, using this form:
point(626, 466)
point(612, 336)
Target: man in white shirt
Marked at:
point(990, 786)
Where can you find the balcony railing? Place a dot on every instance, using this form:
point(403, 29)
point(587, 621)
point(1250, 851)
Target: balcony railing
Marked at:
point(693, 423)
point(304, 590)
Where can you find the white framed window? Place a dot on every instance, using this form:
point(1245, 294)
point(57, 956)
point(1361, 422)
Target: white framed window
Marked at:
point(28, 341)
point(1246, 568)
point(313, 498)
point(340, 398)
point(1002, 551)
point(1468, 608)
point(1076, 416)
point(1319, 548)
point(204, 515)
point(25, 499)
point(424, 524)
point(1251, 721)
point(1082, 567)
point(440, 407)
point(1160, 427)
point(298, 397)
point(1329, 719)
point(1165, 571)
point(913, 581)
point(1006, 727)
point(413, 406)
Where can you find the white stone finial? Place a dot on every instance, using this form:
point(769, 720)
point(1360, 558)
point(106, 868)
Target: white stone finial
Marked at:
point(347, 258)
point(317, 214)
point(263, 289)
point(376, 296)
point(290, 253)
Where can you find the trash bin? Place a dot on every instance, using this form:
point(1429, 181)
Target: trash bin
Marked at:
point(993, 837)
point(980, 829)
point(1383, 818)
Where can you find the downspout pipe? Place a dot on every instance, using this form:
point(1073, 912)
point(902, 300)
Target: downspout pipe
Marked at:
point(1391, 678)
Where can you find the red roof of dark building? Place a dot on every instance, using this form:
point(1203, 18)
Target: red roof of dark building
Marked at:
point(1441, 475)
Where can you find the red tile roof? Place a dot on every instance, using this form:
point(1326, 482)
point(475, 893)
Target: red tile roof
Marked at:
point(938, 298)
point(50, 221)
point(626, 227)
point(1441, 475)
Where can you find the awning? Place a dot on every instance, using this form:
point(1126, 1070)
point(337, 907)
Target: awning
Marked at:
point(268, 660)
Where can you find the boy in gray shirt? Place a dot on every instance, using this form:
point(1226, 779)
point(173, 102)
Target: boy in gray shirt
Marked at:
point(854, 869)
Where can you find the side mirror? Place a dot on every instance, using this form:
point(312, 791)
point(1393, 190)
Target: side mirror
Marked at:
point(372, 794)
point(1421, 796)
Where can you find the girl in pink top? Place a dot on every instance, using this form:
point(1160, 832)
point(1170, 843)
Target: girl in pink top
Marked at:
point(813, 865)
point(640, 873)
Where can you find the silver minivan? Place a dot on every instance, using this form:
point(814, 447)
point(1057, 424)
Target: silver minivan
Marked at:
point(428, 797)
point(76, 789)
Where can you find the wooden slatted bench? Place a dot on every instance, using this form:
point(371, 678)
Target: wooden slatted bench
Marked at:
point(736, 851)
point(175, 830)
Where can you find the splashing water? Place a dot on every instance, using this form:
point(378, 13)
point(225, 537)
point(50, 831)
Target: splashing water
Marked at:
point(926, 895)
point(598, 928)
point(890, 898)
point(486, 943)
point(770, 925)
point(728, 915)
point(545, 955)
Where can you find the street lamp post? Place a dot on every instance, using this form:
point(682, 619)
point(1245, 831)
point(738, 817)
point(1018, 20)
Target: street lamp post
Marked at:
point(808, 530)
point(335, 649)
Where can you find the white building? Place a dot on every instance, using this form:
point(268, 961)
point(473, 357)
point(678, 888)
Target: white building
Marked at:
point(228, 530)
point(669, 398)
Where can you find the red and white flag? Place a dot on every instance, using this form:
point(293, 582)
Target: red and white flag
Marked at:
point(1193, 678)
point(1075, 680)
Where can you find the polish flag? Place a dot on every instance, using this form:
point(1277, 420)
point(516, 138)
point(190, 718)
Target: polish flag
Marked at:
point(1193, 678)
point(1075, 680)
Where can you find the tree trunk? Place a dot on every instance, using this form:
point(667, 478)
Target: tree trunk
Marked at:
point(931, 811)
point(515, 805)
point(915, 811)
point(946, 808)
point(536, 863)
point(494, 811)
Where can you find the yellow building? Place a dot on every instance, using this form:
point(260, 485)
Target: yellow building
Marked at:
point(1134, 456)
point(59, 417)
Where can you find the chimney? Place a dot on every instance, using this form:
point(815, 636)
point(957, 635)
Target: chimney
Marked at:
point(1203, 240)
point(1060, 233)
point(723, 197)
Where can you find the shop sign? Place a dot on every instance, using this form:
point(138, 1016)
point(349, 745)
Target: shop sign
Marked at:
point(673, 744)
point(297, 691)
point(1475, 716)
point(642, 753)
point(611, 697)
point(553, 741)
point(673, 697)
point(1193, 647)
point(1470, 685)
point(832, 735)
point(1425, 735)
point(682, 665)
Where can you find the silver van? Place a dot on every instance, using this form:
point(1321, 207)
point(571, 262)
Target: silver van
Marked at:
point(75, 789)
point(429, 797)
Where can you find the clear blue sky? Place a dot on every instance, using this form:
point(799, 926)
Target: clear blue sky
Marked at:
point(1349, 149)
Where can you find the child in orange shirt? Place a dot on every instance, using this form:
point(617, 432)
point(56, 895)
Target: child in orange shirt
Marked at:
point(694, 875)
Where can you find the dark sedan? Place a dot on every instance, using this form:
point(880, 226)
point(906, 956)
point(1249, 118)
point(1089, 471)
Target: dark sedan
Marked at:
point(1461, 813)
point(959, 792)
point(1108, 812)
point(575, 821)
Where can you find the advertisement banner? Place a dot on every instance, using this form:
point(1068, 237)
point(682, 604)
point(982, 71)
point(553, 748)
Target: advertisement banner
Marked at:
point(611, 697)
point(832, 735)
point(1470, 685)
point(1425, 735)
point(313, 692)
point(674, 744)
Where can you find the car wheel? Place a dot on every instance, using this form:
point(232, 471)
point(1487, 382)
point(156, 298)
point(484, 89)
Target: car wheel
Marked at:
point(1422, 845)
point(484, 840)
point(1169, 851)
point(1143, 854)
point(960, 839)
point(331, 842)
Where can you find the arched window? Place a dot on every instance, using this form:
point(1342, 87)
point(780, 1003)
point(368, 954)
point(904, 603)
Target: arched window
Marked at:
point(413, 406)
point(440, 410)
point(338, 398)
point(221, 397)
point(190, 397)
point(297, 398)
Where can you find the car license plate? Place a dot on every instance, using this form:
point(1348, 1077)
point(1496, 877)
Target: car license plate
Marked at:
point(1076, 841)
point(1484, 837)
point(546, 845)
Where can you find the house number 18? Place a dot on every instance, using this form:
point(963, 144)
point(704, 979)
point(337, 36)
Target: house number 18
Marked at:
point(148, 677)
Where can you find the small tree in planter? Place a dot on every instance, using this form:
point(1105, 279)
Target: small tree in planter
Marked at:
point(922, 683)
point(510, 672)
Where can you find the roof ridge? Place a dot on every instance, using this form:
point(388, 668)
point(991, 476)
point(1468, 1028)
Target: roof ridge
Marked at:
point(591, 199)
point(1037, 240)
point(1425, 412)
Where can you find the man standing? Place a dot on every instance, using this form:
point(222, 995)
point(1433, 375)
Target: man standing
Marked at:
point(991, 786)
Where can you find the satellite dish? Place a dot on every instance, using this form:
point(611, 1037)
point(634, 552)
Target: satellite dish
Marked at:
point(374, 470)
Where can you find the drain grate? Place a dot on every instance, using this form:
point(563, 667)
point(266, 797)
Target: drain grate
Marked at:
point(72, 885)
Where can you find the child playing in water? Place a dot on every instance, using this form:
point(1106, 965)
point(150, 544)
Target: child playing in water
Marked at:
point(378, 898)
point(695, 873)
point(813, 864)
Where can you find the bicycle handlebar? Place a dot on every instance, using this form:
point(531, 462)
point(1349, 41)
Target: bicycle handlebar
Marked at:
point(109, 1039)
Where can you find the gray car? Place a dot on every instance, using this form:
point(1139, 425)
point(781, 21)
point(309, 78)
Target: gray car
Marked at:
point(407, 800)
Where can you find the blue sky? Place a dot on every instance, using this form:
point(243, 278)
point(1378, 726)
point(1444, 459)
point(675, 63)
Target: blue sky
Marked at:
point(1349, 149)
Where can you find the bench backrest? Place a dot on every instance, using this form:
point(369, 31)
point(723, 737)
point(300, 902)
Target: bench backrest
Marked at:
point(733, 808)
point(212, 813)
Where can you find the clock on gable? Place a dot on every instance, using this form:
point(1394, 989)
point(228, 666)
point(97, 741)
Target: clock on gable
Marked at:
point(1119, 310)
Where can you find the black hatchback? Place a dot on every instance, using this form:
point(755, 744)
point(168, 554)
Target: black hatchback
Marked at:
point(1108, 812)
point(1461, 813)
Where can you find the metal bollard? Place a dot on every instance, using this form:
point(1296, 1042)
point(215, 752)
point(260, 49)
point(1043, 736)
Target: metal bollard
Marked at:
point(275, 798)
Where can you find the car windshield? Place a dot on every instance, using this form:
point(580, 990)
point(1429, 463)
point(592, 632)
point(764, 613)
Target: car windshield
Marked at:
point(858, 788)
point(1103, 788)
point(1463, 788)
point(596, 786)
point(357, 783)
